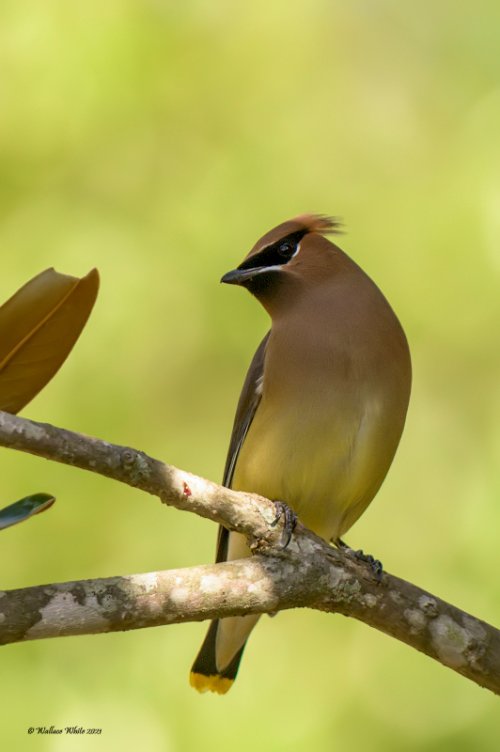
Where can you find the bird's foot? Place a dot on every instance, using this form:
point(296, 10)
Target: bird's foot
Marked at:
point(375, 565)
point(283, 510)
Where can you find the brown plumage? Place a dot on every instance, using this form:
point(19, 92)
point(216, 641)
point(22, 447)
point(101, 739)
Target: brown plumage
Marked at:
point(323, 405)
point(39, 326)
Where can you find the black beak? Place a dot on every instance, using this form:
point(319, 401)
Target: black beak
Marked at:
point(239, 276)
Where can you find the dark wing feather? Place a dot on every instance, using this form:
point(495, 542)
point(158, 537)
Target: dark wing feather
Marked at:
point(205, 664)
point(247, 407)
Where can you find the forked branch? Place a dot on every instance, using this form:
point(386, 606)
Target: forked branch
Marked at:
point(308, 573)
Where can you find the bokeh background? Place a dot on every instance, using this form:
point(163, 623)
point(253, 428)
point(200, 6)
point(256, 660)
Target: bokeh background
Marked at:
point(157, 140)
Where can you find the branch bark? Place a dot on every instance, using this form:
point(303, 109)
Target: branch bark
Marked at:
point(308, 573)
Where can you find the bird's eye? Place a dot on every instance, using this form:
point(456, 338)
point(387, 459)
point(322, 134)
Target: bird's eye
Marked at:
point(285, 249)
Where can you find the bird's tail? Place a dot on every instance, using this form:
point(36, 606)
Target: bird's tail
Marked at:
point(205, 676)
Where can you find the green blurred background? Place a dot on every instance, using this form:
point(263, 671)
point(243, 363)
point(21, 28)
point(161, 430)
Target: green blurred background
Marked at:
point(157, 141)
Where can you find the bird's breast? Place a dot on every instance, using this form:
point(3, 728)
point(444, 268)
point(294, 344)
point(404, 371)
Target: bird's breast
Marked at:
point(323, 436)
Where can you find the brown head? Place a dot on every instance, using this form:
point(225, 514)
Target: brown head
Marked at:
point(286, 257)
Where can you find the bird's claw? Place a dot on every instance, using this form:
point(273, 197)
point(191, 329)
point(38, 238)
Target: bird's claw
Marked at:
point(375, 564)
point(289, 523)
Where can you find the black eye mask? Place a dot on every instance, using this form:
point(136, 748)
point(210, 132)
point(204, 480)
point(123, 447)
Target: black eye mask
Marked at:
point(276, 254)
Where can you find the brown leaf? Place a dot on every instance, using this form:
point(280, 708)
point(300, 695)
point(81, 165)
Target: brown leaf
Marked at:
point(38, 327)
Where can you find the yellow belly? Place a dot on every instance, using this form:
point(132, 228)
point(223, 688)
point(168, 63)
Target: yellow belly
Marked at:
point(326, 461)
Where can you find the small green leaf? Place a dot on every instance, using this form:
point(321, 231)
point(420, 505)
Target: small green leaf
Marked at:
point(24, 509)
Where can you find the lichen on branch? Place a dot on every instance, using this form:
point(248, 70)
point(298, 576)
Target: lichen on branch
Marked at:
point(307, 573)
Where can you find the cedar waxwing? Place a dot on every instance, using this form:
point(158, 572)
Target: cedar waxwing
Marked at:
point(322, 408)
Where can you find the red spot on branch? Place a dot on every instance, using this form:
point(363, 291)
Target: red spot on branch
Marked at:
point(186, 490)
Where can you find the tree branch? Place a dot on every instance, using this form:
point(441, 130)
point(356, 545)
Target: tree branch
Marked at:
point(307, 573)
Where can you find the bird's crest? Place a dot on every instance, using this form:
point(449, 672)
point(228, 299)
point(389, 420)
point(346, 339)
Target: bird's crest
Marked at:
point(320, 223)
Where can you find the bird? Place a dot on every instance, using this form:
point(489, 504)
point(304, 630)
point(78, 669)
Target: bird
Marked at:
point(322, 408)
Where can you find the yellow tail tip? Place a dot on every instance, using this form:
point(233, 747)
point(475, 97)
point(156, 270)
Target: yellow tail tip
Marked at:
point(218, 684)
